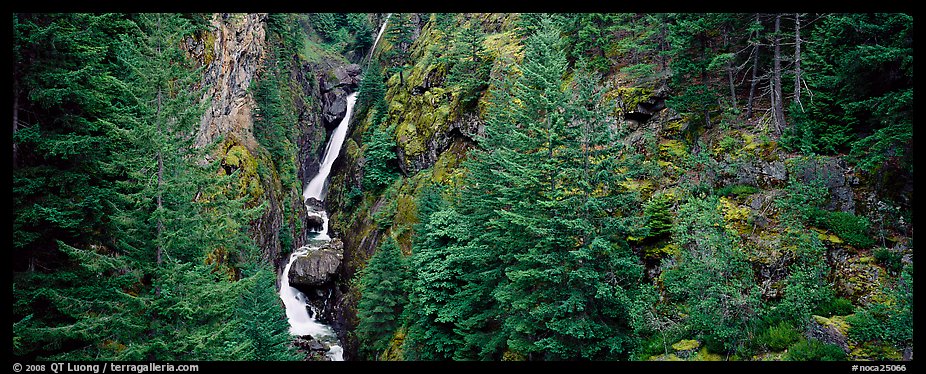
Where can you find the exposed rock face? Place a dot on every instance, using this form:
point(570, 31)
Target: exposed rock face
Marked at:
point(762, 174)
point(335, 85)
point(833, 173)
point(463, 129)
point(340, 76)
point(237, 53)
point(318, 267)
point(829, 331)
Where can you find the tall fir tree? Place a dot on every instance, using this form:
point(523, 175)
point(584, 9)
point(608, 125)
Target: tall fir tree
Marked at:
point(382, 299)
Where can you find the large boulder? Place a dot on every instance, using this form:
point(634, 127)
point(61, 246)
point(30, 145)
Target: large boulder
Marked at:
point(341, 76)
point(318, 267)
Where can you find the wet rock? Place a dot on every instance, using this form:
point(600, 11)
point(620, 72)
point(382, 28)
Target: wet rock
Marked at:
point(314, 222)
point(314, 205)
point(318, 267)
point(334, 107)
point(342, 76)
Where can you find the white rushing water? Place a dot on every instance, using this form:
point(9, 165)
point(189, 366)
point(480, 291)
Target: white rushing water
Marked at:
point(379, 35)
point(301, 322)
point(316, 186)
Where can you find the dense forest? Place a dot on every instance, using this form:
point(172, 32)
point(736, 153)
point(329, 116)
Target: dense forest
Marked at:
point(658, 186)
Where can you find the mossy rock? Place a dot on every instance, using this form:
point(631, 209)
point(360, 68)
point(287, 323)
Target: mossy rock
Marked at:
point(659, 250)
point(510, 355)
point(644, 187)
point(837, 322)
point(735, 216)
point(208, 47)
point(859, 278)
point(875, 351)
point(770, 356)
point(672, 150)
point(633, 96)
point(394, 351)
point(665, 357)
point(237, 157)
point(704, 355)
point(671, 129)
point(686, 345)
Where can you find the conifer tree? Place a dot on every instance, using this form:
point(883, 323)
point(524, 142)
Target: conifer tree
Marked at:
point(382, 299)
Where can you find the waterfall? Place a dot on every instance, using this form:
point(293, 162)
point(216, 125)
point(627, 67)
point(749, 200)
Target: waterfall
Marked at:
point(379, 35)
point(317, 185)
point(300, 321)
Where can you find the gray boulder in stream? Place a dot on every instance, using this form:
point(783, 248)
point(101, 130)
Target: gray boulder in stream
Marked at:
point(317, 267)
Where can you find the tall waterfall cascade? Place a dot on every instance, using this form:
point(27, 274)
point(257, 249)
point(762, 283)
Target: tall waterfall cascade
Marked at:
point(300, 313)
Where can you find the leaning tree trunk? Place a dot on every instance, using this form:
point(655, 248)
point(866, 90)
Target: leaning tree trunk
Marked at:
point(797, 59)
point(777, 102)
point(755, 70)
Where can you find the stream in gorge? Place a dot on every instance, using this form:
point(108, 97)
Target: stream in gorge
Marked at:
point(299, 311)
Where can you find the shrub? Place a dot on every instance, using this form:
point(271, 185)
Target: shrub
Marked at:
point(851, 228)
point(780, 336)
point(815, 350)
point(836, 307)
point(889, 259)
point(738, 190)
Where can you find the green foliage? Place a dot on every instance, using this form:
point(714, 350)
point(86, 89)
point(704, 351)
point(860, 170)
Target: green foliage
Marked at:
point(851, 228)
point(275, 117)
point(712, 278)
point(888, 321)
point(372, 96)
point(860, 70)
point(815, 350)
point(659, 217)
point(780, 336)
point(589, 36)
point(263, 328)
point(436, 305)
point(891, 260)
point(470, 66)
point(383, 297)
point(379, 160)
point(838, 306)
point(140, 246)
point(325, 24)
point(738, 189)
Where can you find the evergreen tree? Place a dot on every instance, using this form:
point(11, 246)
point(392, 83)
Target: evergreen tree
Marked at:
point(470, 65)
point(383, 297)
point(859, 69)
point(434, 302)
point(712, 279)
point(264, 326)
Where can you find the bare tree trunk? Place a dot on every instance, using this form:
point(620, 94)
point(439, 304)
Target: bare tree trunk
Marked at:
point(726, 40)
point(707, 113)
point(797, 59)
point(755, 69)
point(15, 117)
point(777, 102)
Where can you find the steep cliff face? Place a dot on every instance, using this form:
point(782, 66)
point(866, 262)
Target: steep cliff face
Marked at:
point(236, 52)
